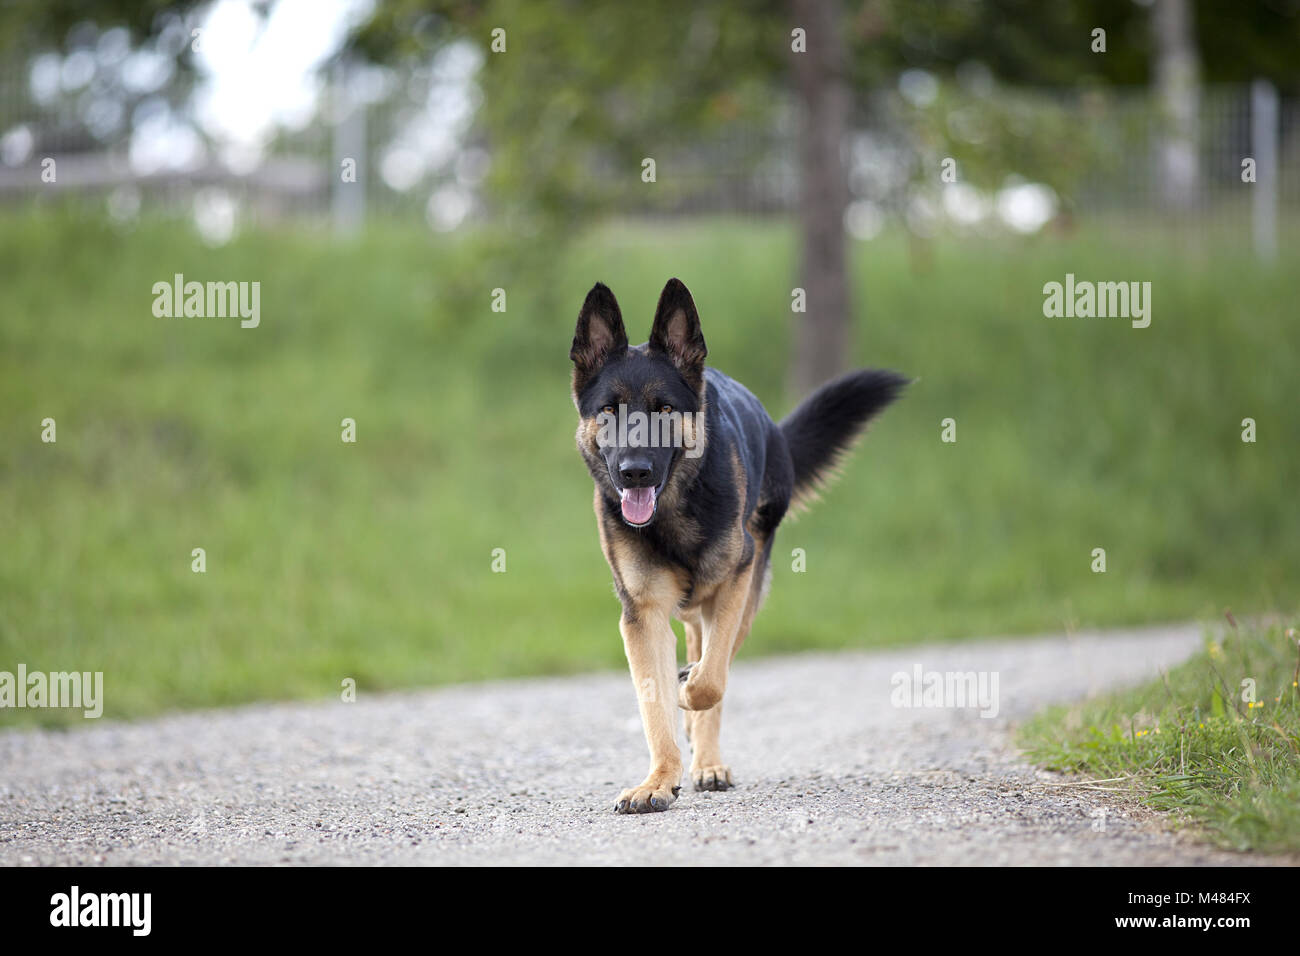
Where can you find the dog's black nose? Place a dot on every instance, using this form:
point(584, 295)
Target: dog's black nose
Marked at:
point(635, 472)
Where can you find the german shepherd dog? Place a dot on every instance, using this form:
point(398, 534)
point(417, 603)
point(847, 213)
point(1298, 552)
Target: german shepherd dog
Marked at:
point(687, 524)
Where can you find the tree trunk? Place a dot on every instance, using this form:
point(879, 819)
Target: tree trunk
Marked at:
point(822, 339)
point(1177, 79)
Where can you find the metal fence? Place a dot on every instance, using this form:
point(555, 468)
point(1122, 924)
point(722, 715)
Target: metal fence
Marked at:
point(353, 162)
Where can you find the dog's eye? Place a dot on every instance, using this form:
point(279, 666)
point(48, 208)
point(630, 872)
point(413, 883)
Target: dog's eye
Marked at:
point(665, 409)
point(608, 409)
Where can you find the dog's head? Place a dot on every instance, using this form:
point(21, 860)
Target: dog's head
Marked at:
point(642, 407)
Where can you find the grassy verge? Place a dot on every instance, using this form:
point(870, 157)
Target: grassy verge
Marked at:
point(1217, 740)
point(374, 560)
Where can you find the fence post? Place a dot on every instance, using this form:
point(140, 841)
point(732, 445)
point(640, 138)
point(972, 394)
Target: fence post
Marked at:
point(1263, 143)
point(348, 203)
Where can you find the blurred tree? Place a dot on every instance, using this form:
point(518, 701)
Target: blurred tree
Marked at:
point(821, 342)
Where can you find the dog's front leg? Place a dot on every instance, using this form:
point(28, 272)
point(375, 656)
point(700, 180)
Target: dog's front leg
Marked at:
point(651, 648)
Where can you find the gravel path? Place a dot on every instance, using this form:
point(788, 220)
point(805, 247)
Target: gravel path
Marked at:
point(828, 771)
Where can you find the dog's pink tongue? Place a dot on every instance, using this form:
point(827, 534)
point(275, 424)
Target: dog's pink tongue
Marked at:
point(638, 504)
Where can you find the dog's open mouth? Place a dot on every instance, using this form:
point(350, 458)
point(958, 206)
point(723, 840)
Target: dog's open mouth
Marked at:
point(638, 504)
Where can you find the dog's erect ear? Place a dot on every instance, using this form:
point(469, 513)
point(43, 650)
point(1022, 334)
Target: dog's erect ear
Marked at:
point(676, 331)
point(599, 334)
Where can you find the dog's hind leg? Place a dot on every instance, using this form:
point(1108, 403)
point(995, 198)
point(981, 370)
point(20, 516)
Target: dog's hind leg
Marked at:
point(703, 727)
point(704, 683)
point(758, 587)
point(693, 626)
point(707, 769)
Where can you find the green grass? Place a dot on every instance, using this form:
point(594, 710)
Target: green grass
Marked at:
point(373, 561)
point(1198, 742)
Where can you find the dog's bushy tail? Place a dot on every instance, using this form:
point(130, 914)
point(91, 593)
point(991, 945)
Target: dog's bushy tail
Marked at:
point(826, 424)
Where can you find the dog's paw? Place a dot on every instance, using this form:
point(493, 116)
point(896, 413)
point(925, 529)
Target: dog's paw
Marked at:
point(717, 777)
point(650, 797)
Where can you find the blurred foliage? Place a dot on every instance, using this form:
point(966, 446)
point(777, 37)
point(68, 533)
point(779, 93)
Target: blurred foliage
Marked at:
point(34, 26)
point(993, 135)
point(1032, 43)
point(584, 88)
point(1021, 41)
